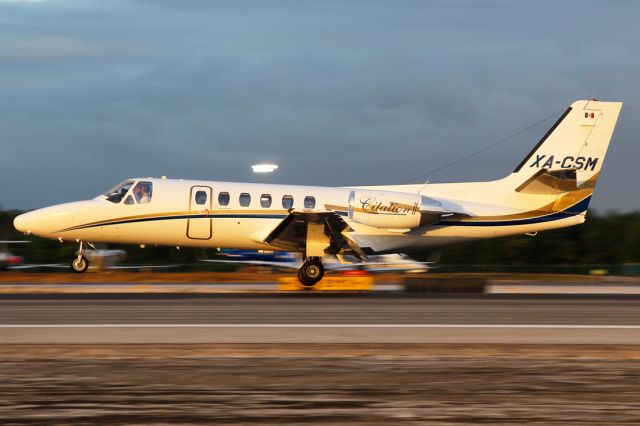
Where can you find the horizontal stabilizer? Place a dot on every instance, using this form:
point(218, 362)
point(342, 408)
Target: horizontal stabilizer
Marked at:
point(550, 182)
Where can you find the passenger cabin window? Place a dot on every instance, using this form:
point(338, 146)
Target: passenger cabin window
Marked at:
point(143, 192)
point(116, 194)
point(265, 200)
point(201, 197)
point(223, 198)
point(309, 202)
point(245, 199)
point(287, 202)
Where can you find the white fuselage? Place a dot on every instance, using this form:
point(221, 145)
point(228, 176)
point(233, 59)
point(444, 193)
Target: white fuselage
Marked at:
point(174, 217)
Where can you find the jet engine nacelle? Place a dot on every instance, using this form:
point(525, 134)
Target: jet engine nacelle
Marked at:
point(393, 210)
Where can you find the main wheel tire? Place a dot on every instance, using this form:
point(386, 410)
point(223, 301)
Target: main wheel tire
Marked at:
point(79, 265)
point(310, 273)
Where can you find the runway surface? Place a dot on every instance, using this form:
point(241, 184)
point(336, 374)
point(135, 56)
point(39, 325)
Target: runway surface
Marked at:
point(402, 359)
point(396, 318)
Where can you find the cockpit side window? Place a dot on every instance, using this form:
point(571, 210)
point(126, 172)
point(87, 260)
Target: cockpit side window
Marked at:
point(116, 194)
point(143, 191)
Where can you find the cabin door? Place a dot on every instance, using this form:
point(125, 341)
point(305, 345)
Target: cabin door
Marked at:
point(199, 225)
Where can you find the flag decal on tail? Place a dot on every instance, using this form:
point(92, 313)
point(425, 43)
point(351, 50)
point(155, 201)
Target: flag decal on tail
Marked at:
point(590, 118)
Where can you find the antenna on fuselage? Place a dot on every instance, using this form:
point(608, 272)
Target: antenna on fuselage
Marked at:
point(423, 187)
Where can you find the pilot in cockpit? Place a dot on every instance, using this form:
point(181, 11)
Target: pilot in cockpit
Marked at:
point(142, 193)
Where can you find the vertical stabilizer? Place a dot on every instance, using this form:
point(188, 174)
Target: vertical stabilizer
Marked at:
point(576, 144)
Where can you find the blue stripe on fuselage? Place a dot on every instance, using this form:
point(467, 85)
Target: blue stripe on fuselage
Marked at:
point(573, 210)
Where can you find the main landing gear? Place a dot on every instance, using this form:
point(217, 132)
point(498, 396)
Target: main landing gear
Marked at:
point(80, 264)
point(311, 271)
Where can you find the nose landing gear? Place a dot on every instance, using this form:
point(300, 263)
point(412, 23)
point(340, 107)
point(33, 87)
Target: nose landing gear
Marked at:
point(80, 263)
point(311, 272)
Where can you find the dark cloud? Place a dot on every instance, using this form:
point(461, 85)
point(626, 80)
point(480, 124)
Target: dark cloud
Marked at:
point(336, 93)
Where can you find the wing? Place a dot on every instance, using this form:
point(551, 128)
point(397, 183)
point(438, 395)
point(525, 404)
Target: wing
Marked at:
point(314, 232)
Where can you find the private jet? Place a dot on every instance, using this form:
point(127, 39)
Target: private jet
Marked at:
point(550, 188)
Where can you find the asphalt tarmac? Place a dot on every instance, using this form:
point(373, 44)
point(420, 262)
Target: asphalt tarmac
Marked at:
point(317, 318)
point(357, 359)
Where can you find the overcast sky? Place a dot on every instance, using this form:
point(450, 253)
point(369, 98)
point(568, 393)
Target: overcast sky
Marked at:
point(336, 93)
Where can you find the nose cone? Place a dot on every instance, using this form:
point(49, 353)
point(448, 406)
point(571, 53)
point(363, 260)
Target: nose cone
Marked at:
point(49, 222)
point(24, 222)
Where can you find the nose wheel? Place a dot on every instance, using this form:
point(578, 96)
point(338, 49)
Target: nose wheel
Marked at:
point(80, 263)
point(311, 272)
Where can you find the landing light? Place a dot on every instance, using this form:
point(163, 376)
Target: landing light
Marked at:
point(264, 168)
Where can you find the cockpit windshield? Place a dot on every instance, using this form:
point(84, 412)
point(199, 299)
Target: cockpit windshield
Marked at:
point(115, 195)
